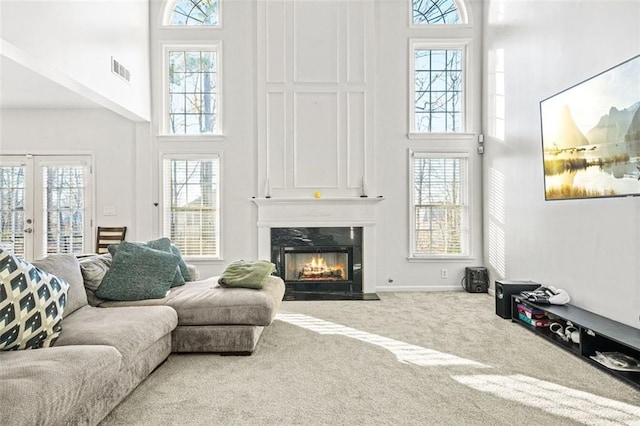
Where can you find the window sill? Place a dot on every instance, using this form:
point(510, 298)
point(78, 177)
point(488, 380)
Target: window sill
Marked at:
point(441, 136)
point(190, 138)
point(418, 259)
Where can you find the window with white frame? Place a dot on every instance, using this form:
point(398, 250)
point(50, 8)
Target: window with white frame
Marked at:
point(193, 95)
point(191, 203)
point(437, 92)
point(428, 12)
point(195, 12)
point(439, 206)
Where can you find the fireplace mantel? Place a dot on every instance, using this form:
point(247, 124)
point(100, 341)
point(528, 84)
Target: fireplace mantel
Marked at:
point(319, 212)
point(334, 211)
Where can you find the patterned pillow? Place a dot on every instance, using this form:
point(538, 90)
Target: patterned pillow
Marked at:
point(31, 304)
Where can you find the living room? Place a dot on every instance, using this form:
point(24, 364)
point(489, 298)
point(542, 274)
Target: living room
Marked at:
point(314, 109)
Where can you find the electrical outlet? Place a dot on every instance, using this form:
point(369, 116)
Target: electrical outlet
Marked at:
point(444, 273)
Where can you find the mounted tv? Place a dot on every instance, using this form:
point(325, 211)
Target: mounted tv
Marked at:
point(591, 136)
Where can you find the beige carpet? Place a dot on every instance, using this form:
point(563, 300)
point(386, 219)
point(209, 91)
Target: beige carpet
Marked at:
point(300, 375)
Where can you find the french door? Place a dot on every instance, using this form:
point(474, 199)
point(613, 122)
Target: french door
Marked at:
point(45, 204)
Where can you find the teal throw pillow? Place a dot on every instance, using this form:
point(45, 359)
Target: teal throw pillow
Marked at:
point(162, 244)
point(138, 272)
point(248, 274)
point(184, 270)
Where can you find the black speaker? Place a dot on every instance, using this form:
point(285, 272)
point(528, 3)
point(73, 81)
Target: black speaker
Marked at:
point(476, 279)
point(505, 289)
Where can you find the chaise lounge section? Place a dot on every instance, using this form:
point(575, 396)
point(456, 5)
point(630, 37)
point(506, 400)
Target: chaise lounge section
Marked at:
point(103, 352)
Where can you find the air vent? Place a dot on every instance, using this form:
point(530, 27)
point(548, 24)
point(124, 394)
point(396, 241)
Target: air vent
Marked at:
point(120, 70)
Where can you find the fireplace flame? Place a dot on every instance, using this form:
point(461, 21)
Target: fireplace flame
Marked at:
point(319, 269)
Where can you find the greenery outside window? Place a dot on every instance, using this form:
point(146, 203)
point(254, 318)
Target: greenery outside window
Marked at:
point(439, 207)
point(191, 204)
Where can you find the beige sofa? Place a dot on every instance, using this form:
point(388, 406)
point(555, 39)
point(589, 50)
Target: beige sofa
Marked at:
point(105, 351)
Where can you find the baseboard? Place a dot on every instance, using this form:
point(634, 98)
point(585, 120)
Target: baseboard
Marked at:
point(392, 288)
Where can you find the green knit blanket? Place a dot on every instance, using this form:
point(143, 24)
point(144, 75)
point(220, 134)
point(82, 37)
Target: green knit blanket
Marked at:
point(249, 274)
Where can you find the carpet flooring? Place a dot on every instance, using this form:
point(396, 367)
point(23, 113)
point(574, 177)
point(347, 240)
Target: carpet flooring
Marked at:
point(436, 358)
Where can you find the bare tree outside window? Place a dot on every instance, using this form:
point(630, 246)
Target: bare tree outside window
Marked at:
point(435, 12)
point(64, 209)
point(193, 92)
point(438, 205)
point(195, 12)
point(192, 205)
point(12, 193)
point(437, 90)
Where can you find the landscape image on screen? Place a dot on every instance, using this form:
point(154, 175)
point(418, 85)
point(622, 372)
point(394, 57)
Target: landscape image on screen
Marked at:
point(591, 136)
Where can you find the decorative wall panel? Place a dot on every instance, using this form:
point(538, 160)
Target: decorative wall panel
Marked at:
point(276, 138)
point(316, 140)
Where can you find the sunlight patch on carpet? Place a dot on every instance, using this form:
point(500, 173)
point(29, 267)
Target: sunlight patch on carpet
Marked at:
point(404, 352)
point(576, 405)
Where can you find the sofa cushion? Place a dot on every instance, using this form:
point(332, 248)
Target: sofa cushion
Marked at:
point(162, 244)
point(93, 270)
point(31, 304)
point(131, 330)
point(138, 272)
point(207, 303)
point(40, 387)
point(67, 267)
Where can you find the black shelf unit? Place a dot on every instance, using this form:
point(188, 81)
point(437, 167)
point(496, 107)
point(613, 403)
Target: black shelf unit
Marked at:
point(597, 333)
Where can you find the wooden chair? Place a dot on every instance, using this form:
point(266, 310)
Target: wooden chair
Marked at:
point(109, 235)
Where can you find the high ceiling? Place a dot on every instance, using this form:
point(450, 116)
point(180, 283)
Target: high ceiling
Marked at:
point(21, 87)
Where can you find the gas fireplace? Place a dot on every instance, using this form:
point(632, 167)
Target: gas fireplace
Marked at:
point(319, 263)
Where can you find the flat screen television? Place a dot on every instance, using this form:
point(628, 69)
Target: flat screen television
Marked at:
point(591, 136)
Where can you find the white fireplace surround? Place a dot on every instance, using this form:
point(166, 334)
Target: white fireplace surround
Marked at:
point(322, 212)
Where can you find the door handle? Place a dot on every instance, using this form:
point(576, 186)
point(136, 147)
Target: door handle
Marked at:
point(28, 230)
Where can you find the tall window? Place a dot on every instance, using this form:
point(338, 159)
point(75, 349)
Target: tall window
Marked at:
point(195, 12)
point(193, 90)
point(439, 218)
point(191, 204)
point(438, 98)
point(426, 12)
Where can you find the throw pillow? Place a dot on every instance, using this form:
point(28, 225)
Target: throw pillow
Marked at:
point(138, 272)
point(184, 269)
point(249, 274)
point(93, 270)
point(66, 266)
point(163, 244)
point(31, 304)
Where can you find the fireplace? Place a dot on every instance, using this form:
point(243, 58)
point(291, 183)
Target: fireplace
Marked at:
point(319, 263)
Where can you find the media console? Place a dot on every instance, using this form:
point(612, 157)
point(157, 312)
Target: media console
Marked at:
point(596, 333)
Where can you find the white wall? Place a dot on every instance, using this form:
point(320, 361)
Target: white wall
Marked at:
point(78, 38)
point(588, 247)
point(108, 137)
point(238, 144)
point(392, 146)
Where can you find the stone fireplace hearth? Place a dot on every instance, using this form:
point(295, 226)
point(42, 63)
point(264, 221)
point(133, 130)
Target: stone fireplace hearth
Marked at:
point(323, 248)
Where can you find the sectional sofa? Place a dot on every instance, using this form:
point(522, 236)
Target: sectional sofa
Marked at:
point(104, 351)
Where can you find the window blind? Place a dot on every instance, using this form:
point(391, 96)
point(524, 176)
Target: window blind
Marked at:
point(191, 205)
point(439, 205)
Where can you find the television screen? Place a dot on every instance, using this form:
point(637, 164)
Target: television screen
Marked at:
point(591, 136)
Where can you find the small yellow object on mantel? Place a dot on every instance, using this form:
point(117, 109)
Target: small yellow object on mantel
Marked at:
point(317, 194)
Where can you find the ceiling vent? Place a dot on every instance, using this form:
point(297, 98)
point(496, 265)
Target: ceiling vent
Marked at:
point(120, 70)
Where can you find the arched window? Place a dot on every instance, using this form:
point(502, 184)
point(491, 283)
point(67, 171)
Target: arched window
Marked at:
point(427, 12)
point(195, 12)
